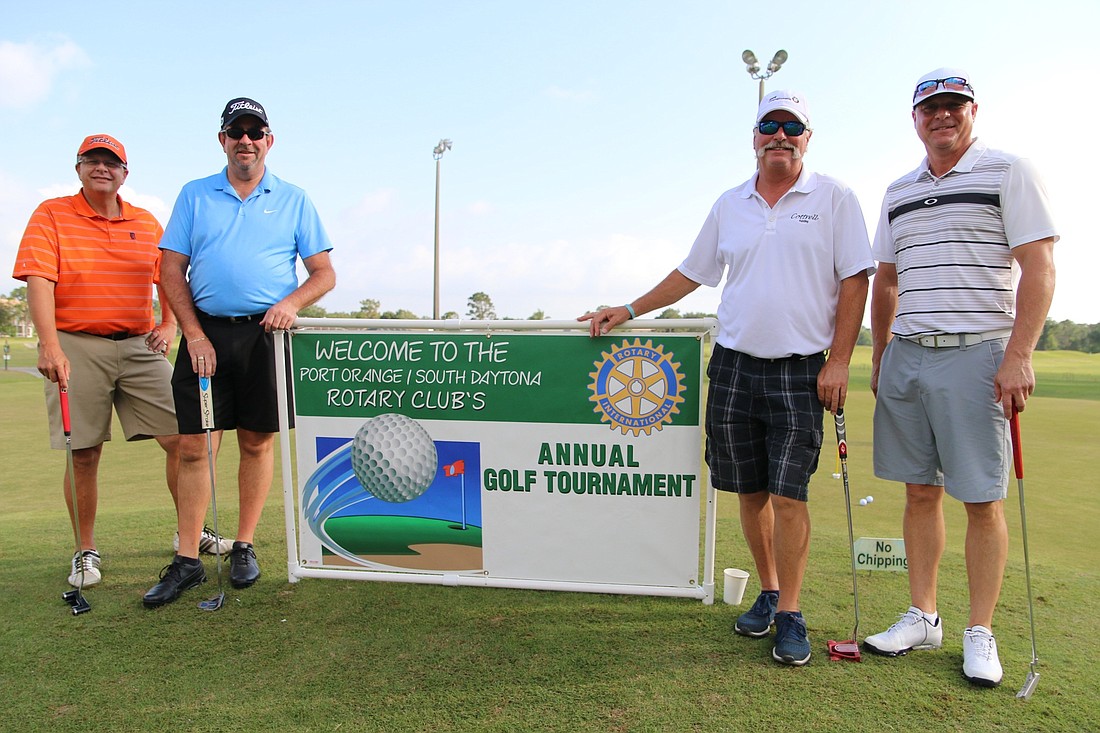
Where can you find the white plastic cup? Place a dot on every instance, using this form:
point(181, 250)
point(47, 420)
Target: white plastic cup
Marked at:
point(734, 589)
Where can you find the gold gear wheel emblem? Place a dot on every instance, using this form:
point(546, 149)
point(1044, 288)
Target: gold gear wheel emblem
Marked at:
point(636, 387)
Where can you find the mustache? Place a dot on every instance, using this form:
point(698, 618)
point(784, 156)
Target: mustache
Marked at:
point(779, 145)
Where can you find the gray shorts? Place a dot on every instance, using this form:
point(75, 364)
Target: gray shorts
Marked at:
point(936, 421)
point(105, 374)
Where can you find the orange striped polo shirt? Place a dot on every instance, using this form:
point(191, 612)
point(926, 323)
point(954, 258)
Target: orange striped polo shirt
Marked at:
point(104, 269)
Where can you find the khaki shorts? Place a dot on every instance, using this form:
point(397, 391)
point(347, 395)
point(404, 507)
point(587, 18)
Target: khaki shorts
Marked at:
point(124, 375)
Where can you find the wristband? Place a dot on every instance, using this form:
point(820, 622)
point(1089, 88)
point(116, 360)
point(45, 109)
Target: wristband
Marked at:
point(630, 310)
point(195, 341)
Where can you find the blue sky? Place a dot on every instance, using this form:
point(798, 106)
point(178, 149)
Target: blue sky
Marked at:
point(590, 138)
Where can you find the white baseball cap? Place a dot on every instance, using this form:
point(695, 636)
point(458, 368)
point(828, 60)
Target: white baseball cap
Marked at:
point(792, 102)
point(944, 80)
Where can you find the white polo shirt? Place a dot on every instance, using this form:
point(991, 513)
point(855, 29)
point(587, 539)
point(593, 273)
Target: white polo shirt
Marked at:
point(783, 265)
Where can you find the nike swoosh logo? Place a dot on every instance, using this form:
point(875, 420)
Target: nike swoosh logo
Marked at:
point(270, 211)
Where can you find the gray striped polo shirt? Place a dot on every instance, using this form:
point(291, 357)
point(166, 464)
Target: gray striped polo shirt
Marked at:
point(950, 239)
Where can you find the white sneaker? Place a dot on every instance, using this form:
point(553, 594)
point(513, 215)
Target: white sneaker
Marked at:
point(88, 562)
point(912, 631)
point(980, 663)
point(208, 543)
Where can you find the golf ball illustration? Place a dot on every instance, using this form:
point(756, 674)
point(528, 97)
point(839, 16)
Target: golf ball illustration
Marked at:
point(394, 458)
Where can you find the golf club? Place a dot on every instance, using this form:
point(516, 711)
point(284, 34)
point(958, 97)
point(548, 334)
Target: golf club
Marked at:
point(1018, 464)
point(75, 598)
point(848, 650)
point(206, 410)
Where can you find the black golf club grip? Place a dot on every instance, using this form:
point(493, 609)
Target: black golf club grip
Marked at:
point(841, 434)
point(1017, 445)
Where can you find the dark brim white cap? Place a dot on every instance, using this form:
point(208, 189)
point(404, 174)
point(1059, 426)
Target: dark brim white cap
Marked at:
point(944, 72)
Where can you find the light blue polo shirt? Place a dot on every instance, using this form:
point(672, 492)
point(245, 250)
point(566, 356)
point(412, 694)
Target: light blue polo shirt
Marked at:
point(243, 253)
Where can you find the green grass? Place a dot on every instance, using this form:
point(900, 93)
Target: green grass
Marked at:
point(325, 655)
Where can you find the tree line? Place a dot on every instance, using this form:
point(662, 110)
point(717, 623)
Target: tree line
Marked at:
point(1057, 335)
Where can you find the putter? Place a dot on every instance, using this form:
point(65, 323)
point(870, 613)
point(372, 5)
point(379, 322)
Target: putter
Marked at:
point(206, 410)
point(75, 598)
point(1032, 680)
point(848, 650)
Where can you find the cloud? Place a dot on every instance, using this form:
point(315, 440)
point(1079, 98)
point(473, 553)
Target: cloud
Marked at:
point(155, 205)
point(28, 70)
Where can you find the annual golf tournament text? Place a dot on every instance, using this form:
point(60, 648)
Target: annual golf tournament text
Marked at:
point(597, 455)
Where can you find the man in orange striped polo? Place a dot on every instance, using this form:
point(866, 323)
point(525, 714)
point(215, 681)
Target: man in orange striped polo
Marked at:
point(90, 262)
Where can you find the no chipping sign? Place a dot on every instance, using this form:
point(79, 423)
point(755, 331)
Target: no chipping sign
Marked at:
point(880, 553)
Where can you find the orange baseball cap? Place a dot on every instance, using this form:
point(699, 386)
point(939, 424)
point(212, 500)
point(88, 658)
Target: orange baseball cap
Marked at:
point(105, 142)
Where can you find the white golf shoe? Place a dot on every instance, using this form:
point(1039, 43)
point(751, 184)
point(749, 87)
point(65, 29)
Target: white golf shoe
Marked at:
point(912, 631)
point(981, 665)
point(208, 543)
point(86, 563)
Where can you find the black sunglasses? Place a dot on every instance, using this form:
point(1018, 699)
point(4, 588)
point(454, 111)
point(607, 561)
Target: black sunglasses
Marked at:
point(254, 133)
point(791, 128)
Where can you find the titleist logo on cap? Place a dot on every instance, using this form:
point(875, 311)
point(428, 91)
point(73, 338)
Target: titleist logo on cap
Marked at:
point(245, 104)
point(99, 140)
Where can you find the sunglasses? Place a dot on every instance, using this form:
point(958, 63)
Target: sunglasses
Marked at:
point(792, 128)
point(950, 84)
point(254, 133)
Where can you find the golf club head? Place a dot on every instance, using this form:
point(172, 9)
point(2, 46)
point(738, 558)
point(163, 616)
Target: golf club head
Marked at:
point(844, 650)
point(213, 604)
point(81, 605)
point(1030, 684)
point(70, 596)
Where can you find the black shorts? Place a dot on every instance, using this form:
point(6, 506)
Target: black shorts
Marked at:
point(243, 386)
point(764, 423)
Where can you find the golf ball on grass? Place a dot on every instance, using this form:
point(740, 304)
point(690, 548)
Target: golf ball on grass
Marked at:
point(870, 499)
point(863, 502)
point(394, 458)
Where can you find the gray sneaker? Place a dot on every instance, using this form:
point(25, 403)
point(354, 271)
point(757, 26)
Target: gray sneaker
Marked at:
point(756, 621)
point(208, 543)
point(84, 569)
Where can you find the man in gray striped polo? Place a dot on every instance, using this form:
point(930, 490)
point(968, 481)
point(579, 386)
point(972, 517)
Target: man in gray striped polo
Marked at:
point(952, 352)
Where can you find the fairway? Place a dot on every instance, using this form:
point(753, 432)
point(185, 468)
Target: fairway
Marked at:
point(329, 655)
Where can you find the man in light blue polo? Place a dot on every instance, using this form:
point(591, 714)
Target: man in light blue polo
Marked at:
point(230, 251)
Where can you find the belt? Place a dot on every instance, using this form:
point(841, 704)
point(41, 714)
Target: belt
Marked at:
point(795, 357)
point(232, 319)
point(117, 336)
point(954, 340)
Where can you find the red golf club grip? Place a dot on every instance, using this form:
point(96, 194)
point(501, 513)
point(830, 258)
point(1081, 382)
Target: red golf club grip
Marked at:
point(1017, 447)
point(66, 426)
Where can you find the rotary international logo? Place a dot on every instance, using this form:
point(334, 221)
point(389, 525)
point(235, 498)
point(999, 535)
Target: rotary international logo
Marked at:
point(636, 387)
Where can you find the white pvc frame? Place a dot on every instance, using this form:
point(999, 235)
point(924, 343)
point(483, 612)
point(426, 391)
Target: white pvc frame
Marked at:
point(296, 570)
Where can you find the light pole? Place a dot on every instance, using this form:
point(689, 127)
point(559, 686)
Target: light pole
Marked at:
point(753, 67)
point(442, 147)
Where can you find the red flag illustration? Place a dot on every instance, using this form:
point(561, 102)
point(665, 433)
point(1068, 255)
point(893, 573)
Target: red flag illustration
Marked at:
point(454, 469)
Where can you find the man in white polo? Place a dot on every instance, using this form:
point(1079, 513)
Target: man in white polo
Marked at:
point(792, 246)
point(952, 352)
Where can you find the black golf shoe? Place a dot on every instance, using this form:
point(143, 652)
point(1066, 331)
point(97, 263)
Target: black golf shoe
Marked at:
point(175, 578)
point(243, 568)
